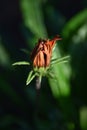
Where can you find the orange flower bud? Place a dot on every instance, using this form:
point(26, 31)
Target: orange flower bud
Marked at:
point(42, 53)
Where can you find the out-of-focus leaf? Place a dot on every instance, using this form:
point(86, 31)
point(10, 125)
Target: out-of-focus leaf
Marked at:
point(75, 31)
point(60, 85)
point(74, 24)
point(83, 118)
point(4, 57)
point(21, 63)
point(81, 34)
point(33, 17)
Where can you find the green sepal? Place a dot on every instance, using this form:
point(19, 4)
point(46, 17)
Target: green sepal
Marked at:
point(30, 77)
point(60, 60)
point(21, 63)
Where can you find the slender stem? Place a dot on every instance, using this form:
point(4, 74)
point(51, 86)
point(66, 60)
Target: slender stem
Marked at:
point(38, 86)
point(38, 82)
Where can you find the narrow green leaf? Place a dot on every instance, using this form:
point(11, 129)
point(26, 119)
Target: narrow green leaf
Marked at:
point(74, 28)
point(33, 17)
point(31, 76)
point(60, 60)
point(62, 73)
point(74, 24)
point(21, 63)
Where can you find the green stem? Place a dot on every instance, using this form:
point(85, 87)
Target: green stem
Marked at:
point(38, 82)
point(38, 86)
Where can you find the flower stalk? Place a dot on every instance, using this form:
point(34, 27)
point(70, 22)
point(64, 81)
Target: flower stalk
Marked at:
point(38, 82)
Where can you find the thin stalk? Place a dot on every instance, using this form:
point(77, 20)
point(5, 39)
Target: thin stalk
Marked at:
point(38, 82)
point(38, 86)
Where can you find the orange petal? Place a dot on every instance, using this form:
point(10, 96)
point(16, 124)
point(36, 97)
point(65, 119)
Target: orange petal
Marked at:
point(53, 41)
point(41, 59)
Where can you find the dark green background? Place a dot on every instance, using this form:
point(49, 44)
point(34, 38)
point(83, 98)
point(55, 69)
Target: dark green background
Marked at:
point(62, 103)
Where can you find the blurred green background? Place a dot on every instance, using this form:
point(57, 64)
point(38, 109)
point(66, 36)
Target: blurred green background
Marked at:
point(62, 102)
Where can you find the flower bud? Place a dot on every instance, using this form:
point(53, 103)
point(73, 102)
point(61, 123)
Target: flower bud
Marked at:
point(41, 55)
